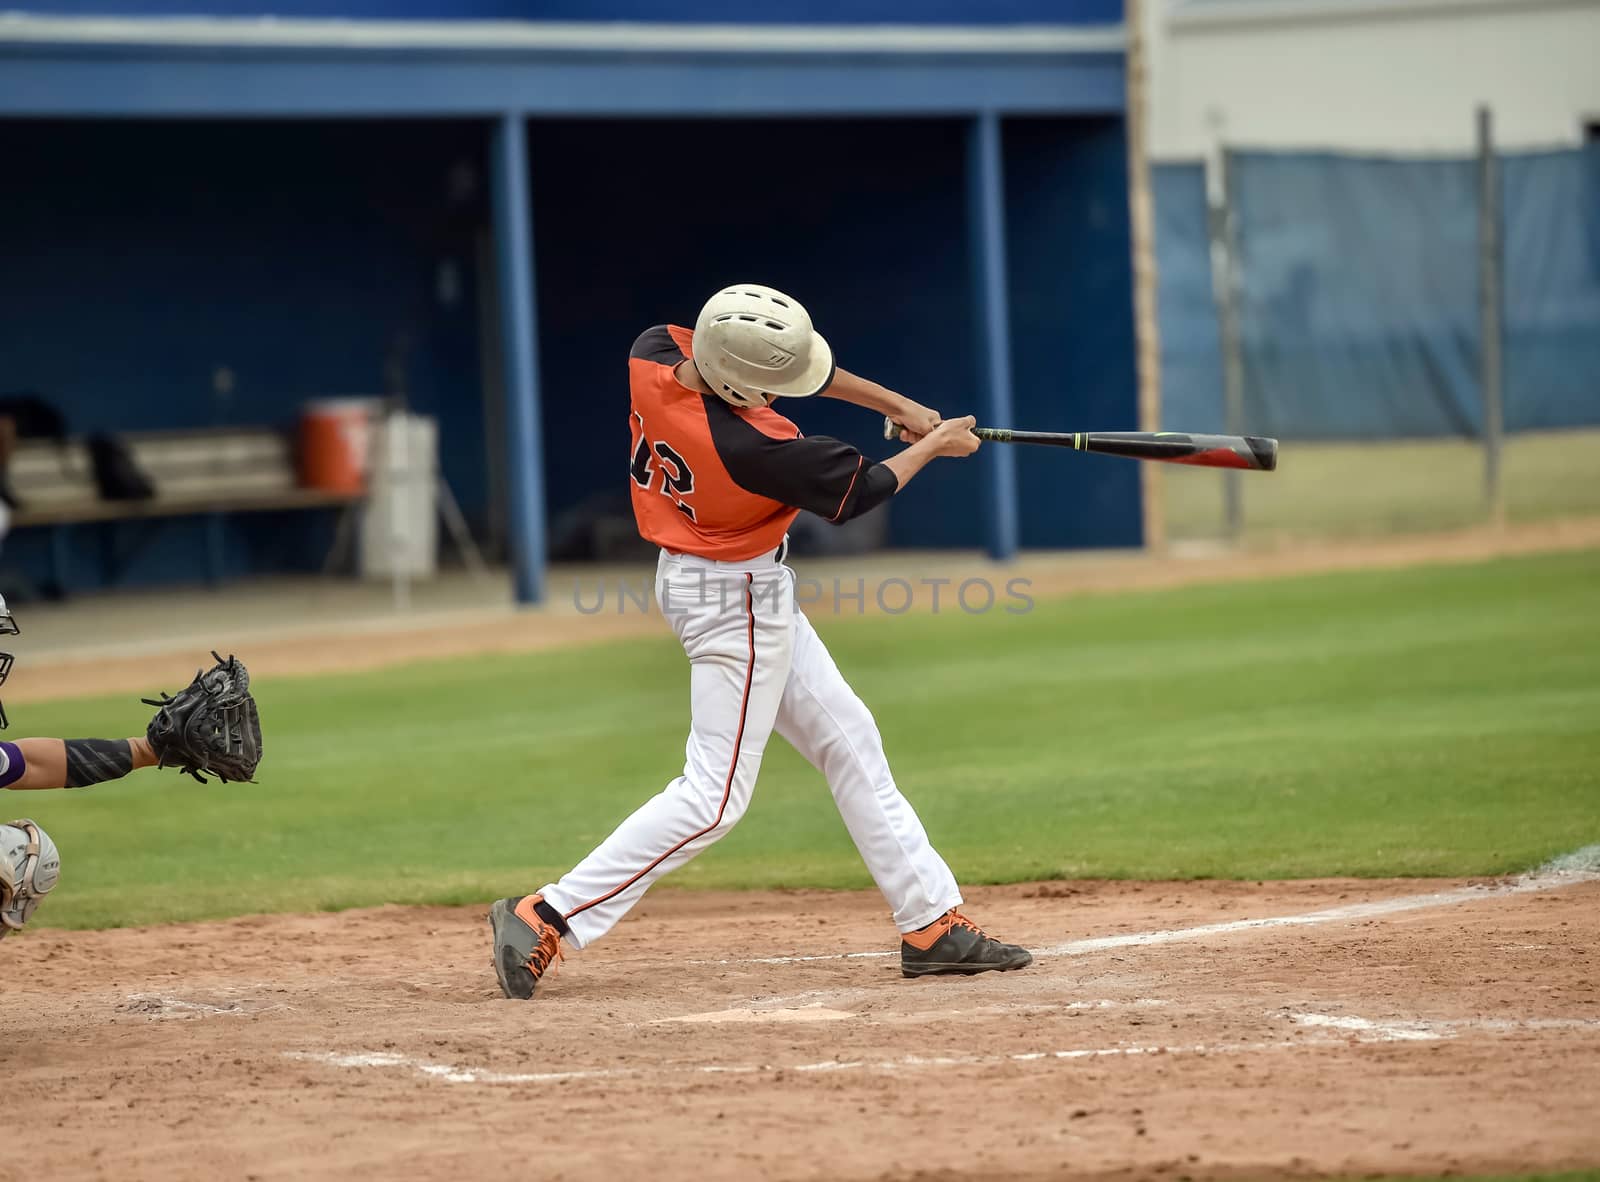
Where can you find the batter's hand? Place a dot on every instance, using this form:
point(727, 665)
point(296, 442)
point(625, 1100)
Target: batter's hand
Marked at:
point(954, 437)
point(915, 421)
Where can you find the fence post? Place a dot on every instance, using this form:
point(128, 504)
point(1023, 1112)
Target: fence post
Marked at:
point(987, 230)
point(1147, 326)
point(1225, 286)
point(519, 343)
point(1491, 317)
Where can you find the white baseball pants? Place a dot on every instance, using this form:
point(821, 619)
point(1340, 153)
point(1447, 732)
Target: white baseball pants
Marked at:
point(756, 666)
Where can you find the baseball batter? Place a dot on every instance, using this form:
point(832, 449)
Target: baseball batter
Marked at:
point(212, 726)
point(717, 477)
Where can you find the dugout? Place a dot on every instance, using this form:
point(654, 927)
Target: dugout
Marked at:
point(488, 216)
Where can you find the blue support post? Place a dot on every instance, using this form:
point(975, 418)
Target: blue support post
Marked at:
point(513, 233)
point(987, 212)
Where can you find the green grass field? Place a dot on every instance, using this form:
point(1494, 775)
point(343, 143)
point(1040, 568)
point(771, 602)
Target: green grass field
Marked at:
point(1433, 721)
point(1376, 489)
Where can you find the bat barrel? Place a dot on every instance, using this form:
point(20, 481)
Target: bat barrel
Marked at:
point(1251, 452)
point(1266, 451)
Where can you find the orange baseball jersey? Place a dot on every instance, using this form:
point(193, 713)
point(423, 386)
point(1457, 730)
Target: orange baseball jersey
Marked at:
point(723, 482)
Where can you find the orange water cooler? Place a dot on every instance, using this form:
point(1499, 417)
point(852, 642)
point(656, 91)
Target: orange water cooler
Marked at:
point(336, 444)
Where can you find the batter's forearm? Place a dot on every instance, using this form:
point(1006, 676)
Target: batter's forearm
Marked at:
point(907, 463)
point(852, 388)
point(75, 763)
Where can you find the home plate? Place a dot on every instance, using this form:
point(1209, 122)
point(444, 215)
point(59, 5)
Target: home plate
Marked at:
point(812, 1013)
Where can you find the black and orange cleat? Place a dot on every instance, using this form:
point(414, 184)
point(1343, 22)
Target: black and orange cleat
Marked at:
point(525, 944)
point(954, 944)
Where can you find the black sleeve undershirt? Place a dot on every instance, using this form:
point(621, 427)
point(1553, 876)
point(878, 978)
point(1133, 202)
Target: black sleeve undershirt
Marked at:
point(656, 344)
point(821, 475)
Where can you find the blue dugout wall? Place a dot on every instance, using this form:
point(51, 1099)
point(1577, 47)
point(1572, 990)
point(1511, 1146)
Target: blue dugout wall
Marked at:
point(874, 242)
point(1072, 333)
point(305, 258)
point(876, 245)
point(310, 255)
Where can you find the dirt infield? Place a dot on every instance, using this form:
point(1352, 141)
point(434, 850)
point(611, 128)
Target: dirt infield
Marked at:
point(724, 1036)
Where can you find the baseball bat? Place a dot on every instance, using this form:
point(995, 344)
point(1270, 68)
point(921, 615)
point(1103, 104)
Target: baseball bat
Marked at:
point(1253, 452)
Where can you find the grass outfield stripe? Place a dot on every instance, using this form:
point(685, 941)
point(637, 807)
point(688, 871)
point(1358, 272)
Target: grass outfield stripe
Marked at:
point(1428, 722)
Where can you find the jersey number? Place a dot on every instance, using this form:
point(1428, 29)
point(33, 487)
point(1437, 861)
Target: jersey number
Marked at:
point(677, 481)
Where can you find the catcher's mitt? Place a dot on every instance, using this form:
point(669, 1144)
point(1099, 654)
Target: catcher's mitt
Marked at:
point(210, 726)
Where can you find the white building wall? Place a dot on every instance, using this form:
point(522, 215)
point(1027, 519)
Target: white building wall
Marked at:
point(1369, 75)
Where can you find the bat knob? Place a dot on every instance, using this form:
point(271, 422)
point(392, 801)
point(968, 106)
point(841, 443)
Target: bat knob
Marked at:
point(891, 429)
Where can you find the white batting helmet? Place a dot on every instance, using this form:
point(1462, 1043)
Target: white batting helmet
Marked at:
point(752, 343)
point(29, 868)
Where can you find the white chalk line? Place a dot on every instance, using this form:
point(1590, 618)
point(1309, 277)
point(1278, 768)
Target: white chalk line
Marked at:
point(1433, 1029)
point(1350, 1028)
point(817, 1009)
point(1391, 1031)
point(846, 996)
point(449, 1073)
point(815, 1012)
point(446, 1072)
point(161, 1005)
point(1568, 870)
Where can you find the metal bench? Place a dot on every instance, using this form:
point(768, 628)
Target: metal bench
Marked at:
point(207, 473)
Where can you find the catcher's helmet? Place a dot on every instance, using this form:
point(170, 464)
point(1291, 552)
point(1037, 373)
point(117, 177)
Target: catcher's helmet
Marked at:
point(8, 627)
point(29, 868)
point(752, 343)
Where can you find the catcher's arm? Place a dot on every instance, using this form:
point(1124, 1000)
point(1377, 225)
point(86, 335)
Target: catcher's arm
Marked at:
point(71, 763)
point(211, 726)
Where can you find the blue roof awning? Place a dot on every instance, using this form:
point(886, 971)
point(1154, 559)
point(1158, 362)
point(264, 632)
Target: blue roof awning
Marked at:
point(212, 67)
